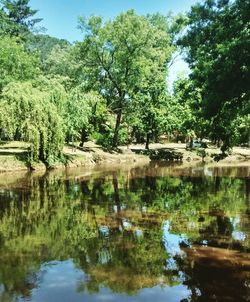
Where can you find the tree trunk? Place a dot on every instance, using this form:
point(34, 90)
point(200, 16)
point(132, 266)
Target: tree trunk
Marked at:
point(191, 142)
point(117, 127)
point(147, 141)
point(83, 137)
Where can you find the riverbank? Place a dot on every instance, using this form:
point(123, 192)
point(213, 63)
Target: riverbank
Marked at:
point(13, 155)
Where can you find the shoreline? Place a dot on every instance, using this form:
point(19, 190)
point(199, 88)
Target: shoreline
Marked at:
point(93, 155)
point(23, 179)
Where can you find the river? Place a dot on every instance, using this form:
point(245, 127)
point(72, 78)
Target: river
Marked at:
point(151, 233)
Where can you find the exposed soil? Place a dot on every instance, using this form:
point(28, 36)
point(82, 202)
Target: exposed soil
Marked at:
point(12, 156)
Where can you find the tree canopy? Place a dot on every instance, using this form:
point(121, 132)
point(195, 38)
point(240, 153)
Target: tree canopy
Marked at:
point(31, 114)
point(217, 43)
point(120, 55)
point(112, 85)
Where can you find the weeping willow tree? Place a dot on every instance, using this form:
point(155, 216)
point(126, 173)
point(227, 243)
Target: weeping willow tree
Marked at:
point(31, 112)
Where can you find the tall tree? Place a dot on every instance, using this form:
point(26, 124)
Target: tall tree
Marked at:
point(19, 13)
point(119, 55)
point(217, 42)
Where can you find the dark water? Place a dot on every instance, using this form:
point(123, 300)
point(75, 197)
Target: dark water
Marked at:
point(147, 234)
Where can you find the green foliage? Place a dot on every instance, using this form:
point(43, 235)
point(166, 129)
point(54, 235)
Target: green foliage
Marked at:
point(188, 108)
point(18, 17)
point(111, 86)
point(241, 126)
point(85, 113)
point(119, 56)
point(44, 44)
point(15, 63)
point(29, 113)
point(217, 42)
point(151, 114)
point(61, 62)
point(104, 139)
point(6, 25)
point(53, 87)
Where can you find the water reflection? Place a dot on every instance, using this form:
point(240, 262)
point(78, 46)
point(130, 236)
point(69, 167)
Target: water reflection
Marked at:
point(126, 235)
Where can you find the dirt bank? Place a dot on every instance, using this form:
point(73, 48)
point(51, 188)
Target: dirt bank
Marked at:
point(12, 156)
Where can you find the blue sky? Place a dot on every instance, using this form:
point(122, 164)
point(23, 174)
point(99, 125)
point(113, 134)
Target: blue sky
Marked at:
point(60, 16)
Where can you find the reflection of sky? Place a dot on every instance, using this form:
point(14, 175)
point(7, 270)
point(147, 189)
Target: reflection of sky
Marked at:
point(58, 283)
point(237, 234)
point(122, 207)
point(104, 230)
point(62, 281)
point(126, 224)
point(172, 246)
point(138, 233)
point(235, 221)
point(172, 241)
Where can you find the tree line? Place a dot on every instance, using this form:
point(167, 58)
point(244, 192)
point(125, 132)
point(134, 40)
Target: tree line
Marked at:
point(111, 86)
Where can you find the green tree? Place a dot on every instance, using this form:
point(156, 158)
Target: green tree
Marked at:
point(44, 44)
point(85, 113)
point(15, 63)
point(217, 42)
point(187, 97)
point(30, 114)
point(19, 15)
point(6, 25)
point(119, 55)
point(151, 110)
point(60, 62)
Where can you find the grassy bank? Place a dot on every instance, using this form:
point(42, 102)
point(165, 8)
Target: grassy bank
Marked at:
point(13, 156)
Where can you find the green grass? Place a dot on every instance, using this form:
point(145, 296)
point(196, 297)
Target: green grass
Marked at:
point(13, 155)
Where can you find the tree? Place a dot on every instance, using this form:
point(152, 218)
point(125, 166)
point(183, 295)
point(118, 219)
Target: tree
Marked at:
point(19, 14)
point(118, 56)
point(15, 63)
point(217, 42)
point(6, 25)
point(60, 62)
point(151, 109)
point(30, 113)
point(84, 113)
point(187, 97)
point(44, 44)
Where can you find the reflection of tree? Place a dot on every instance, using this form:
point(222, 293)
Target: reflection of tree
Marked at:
point(215, 274)
point(112, 227)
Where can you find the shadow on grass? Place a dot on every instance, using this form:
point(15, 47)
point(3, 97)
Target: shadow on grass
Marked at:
point(149, 151)
point(21, 153)
point(10, 148)
point(10, 158)
point(167, 154)
point(23, 157)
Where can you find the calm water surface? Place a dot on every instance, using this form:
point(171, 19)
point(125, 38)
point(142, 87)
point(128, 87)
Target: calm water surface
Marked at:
point(152, 233)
